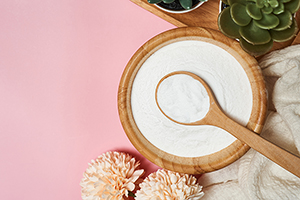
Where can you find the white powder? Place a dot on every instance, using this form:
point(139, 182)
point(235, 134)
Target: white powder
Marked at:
point(218, 69)
point(183, 98)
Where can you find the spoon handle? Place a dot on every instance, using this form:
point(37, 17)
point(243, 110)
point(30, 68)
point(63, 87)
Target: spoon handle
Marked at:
point(282, 157)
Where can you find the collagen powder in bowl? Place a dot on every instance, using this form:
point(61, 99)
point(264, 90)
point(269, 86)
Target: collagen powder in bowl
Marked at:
point(234, 78)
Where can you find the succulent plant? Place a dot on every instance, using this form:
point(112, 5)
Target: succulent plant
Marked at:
point(259, 23)
point(186, 4)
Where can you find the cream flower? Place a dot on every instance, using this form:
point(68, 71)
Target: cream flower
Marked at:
point(111, 176)
point(167, 185)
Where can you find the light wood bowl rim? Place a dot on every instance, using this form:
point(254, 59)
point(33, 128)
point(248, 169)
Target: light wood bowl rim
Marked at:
point(191, 165)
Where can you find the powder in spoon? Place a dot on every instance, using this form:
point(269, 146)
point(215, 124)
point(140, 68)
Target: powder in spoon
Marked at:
point(183, 98)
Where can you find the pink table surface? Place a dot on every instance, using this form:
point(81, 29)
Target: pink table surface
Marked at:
point(60, 67)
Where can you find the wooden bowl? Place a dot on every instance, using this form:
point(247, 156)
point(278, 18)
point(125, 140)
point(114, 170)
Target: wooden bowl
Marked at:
point(202, 164)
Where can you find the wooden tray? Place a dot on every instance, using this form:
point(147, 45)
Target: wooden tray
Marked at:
point(204, 16)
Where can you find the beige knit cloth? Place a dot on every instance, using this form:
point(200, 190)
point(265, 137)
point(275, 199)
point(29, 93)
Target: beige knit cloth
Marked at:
point(254, 176)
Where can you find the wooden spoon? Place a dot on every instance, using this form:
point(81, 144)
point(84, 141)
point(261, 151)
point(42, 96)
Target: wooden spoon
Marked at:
point(216, 117)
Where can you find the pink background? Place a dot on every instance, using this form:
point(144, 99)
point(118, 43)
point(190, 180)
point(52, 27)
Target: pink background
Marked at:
point(60, 66)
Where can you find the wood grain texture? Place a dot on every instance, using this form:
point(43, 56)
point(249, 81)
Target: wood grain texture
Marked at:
point(296, 40)
point(195, 165)
point(205, 16)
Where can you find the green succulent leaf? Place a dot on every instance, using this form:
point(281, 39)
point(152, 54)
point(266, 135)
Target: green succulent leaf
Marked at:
point(260, 3)
point(292, 6)
point(154, 1)
point(253, 11)
point(239, 14)
point(227, 26)
point(267, 10)
point(254, 35)
point(285, 21)
point(225, 1)
point(268, 21)
point(273, 3)
point(285, 35)
point(186, 4)
point(168, 1)
point(284, 1)
point(279, 9)
point(231, 2)
point(256, 50)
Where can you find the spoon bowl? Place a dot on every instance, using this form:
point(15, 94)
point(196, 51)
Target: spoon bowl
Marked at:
point(216, 117)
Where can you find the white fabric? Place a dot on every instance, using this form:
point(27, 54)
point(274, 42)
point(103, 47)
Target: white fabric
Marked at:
point(255, 177)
